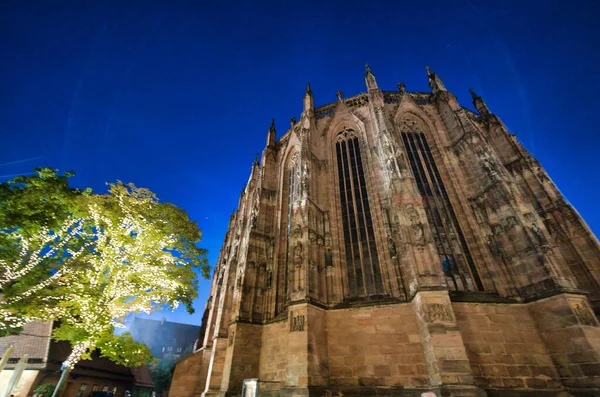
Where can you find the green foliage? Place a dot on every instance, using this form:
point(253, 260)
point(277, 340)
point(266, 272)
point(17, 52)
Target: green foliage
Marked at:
point(162, 373)
point(123, 350)
point(88, 260)
point(46, 389)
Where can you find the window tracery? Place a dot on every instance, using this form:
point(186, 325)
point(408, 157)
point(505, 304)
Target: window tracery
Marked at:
point(448, 237)
point(360, 250)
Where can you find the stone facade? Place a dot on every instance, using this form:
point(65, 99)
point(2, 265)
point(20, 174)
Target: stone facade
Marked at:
point(395, 244)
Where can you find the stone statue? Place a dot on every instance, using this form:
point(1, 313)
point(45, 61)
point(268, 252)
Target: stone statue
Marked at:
point(298, 254)
point(392, 247)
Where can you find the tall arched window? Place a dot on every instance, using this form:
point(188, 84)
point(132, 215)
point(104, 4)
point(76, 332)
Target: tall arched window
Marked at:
point(362, 261)
point(294, 187)
point(294, 194)
point(449, 239)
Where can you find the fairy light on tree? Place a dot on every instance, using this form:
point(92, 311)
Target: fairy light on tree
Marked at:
point(89, 260)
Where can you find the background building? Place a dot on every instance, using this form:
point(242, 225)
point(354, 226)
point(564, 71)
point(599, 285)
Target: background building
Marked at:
point(44, 366)
point(394, 243)
point(164, 337)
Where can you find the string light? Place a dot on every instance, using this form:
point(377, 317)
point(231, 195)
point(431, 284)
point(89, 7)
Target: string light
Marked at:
point(104, 268)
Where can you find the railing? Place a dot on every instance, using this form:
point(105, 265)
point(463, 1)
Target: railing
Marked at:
point(357, 101)
point(421, 98)
point(324, 111)
point(391, 96)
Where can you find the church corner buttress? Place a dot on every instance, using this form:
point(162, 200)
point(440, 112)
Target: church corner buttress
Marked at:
point(396, 243)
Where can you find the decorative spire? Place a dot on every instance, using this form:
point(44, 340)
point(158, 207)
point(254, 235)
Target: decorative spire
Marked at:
point(292, 122)
point(479, 104)
point(271, 135)
point(339, 94)
point(435, 83)
point(309, 102)
point(370, 78)
point(473, 94)
point(401, 87)
point(256, 161)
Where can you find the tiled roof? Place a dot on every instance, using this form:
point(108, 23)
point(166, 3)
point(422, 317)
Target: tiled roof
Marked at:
point(142, 376)
point(33, 340)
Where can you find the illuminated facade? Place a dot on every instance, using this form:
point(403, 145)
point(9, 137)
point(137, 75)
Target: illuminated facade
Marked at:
point(397, 243)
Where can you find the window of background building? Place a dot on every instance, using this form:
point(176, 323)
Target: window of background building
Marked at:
point(105, 388)
point(95, 388)
point(82, 388)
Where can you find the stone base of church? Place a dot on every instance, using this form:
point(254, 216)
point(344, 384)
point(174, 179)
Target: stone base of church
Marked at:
point(547, 348)
point(368, 391)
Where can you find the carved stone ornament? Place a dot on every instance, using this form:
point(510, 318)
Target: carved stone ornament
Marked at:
point(416, 225)
point(438, 312)
point(296, 322)
point(511, 221)
point(269, 278)
point(231, 338)
point(298, 254)
point(498, 229)
point(583, 313)
point(239, 277)
point(392, 247)
point(539, 235)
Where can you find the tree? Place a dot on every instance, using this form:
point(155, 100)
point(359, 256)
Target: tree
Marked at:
point(47, 389)
point(162, 372)
point(87, 260)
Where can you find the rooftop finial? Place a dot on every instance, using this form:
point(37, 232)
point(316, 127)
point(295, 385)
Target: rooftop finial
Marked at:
point(339, 95)
point(256, 159)
point(271, 135)
point(308, 90)
point(479, 104)
point(292, 122)
point(435, 83)
point(473, 94)
point(370, 78)
point(401, 87)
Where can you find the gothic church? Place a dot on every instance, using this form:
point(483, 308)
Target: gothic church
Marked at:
point(396, 243)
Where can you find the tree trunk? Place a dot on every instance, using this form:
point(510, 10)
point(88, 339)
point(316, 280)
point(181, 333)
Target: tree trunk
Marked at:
point(69, 364)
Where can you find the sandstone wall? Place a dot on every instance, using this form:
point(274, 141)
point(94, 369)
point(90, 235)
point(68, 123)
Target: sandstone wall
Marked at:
point(243, 355)
point(504, 347)
point(571, 331)
point(375, 346)
point(273, 352)
point(186, 376)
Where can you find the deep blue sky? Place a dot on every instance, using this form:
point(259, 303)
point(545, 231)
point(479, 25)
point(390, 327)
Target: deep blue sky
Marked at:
point(177, 96)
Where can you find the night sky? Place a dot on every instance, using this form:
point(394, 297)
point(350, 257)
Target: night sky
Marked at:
point(177, 96)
